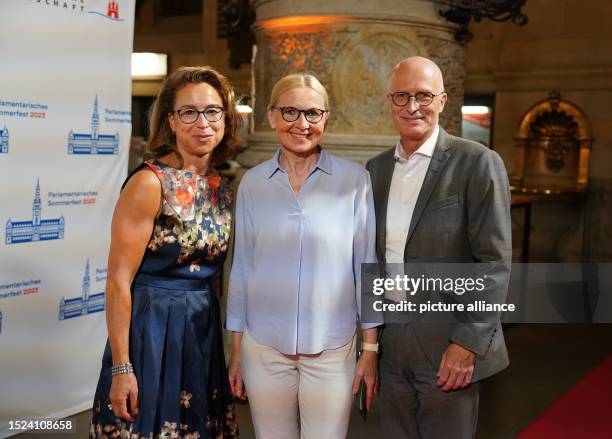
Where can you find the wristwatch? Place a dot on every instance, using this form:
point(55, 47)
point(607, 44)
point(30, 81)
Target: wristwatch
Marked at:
point(372, 347)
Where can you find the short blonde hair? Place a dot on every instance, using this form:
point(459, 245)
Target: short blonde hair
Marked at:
point(298, 80)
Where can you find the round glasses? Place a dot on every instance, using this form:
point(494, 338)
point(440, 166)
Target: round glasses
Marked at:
point(291, 114)
point(190, 115)
point(422, 98)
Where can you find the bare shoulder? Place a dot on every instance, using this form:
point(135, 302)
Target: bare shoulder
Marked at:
point(145, 179)
point(142, 193)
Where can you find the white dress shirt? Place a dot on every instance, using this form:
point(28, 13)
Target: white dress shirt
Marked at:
point(406, 183)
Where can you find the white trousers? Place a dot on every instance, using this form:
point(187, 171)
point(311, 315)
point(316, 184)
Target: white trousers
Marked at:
point(298, 396)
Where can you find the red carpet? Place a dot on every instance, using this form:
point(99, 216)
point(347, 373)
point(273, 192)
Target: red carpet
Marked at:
point(584, 412)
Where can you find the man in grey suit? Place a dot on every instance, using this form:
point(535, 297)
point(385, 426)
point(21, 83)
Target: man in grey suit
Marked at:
point(438, 198)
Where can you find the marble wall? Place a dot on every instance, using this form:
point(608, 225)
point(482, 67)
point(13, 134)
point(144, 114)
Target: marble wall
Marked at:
point(565, 47)
point(351, 47)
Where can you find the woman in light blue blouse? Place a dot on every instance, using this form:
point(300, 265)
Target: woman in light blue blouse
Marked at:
point(304, 224)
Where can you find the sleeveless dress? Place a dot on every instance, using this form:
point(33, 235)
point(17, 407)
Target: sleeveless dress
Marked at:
point(176, 345)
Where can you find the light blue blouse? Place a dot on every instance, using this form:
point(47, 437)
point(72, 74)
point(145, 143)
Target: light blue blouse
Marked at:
point(295, 278)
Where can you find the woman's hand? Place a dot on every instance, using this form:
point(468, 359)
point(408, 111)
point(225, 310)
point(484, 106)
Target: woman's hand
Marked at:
point(124, 388)
point(233, 369)
point(367, 370)
point(235, 377)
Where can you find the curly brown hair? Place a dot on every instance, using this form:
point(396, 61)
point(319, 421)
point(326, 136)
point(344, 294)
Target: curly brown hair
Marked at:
point(161, 139)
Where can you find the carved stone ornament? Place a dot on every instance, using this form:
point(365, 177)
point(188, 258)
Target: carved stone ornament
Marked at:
point(351, 47)
point(556, 132)
point(353, 63)
point(449, 56)
point(360, 78)
point(285, 53)
point(553, 144)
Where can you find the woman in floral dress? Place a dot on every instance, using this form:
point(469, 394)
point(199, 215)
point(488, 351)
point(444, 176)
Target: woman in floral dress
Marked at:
point(163, 371)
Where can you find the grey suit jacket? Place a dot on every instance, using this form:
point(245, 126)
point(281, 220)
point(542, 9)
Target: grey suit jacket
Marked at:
point(462, 214)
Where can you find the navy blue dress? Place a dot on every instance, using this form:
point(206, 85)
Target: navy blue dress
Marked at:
point(176, 344)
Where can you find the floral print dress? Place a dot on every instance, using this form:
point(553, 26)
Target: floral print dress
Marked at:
point(176, 344)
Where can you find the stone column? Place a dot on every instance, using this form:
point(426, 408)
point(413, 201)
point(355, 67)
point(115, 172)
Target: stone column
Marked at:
point(350, 46)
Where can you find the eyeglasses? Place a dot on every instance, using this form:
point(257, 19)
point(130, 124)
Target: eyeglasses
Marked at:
point(422, 98)
point(191, 115)
point(291, 114)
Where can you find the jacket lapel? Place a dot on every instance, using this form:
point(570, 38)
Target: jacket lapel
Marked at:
point(438, 160)
point(384, 175)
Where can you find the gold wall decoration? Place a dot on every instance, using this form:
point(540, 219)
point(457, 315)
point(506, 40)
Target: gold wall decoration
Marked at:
point(553, 143)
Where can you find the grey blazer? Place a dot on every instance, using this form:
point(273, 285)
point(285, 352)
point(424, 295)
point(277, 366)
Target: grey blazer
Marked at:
point(462, 214)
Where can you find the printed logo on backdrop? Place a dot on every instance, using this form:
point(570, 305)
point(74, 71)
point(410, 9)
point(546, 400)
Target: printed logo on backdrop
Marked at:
point(93, 142)
point(4, 140)
point(36, 229)
point(69, 5)
point(111, 12)
point(71, 199)
point(23, 109)
point(19, 288)
point(86, 303)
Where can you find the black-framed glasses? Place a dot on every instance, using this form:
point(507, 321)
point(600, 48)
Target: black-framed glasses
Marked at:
point(422, 98)
point(190, 115)
point(291, 114)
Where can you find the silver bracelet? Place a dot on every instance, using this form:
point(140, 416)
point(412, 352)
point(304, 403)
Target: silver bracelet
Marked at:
point(121, 369)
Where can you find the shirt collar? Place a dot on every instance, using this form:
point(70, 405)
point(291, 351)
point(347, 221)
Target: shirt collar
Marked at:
point(324, 163)
point(426, 149)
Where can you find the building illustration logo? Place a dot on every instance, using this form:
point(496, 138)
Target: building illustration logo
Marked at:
point(4, 140)
point(37, 229)
point(112, 11)
point(85, 304)
point(94, 142)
